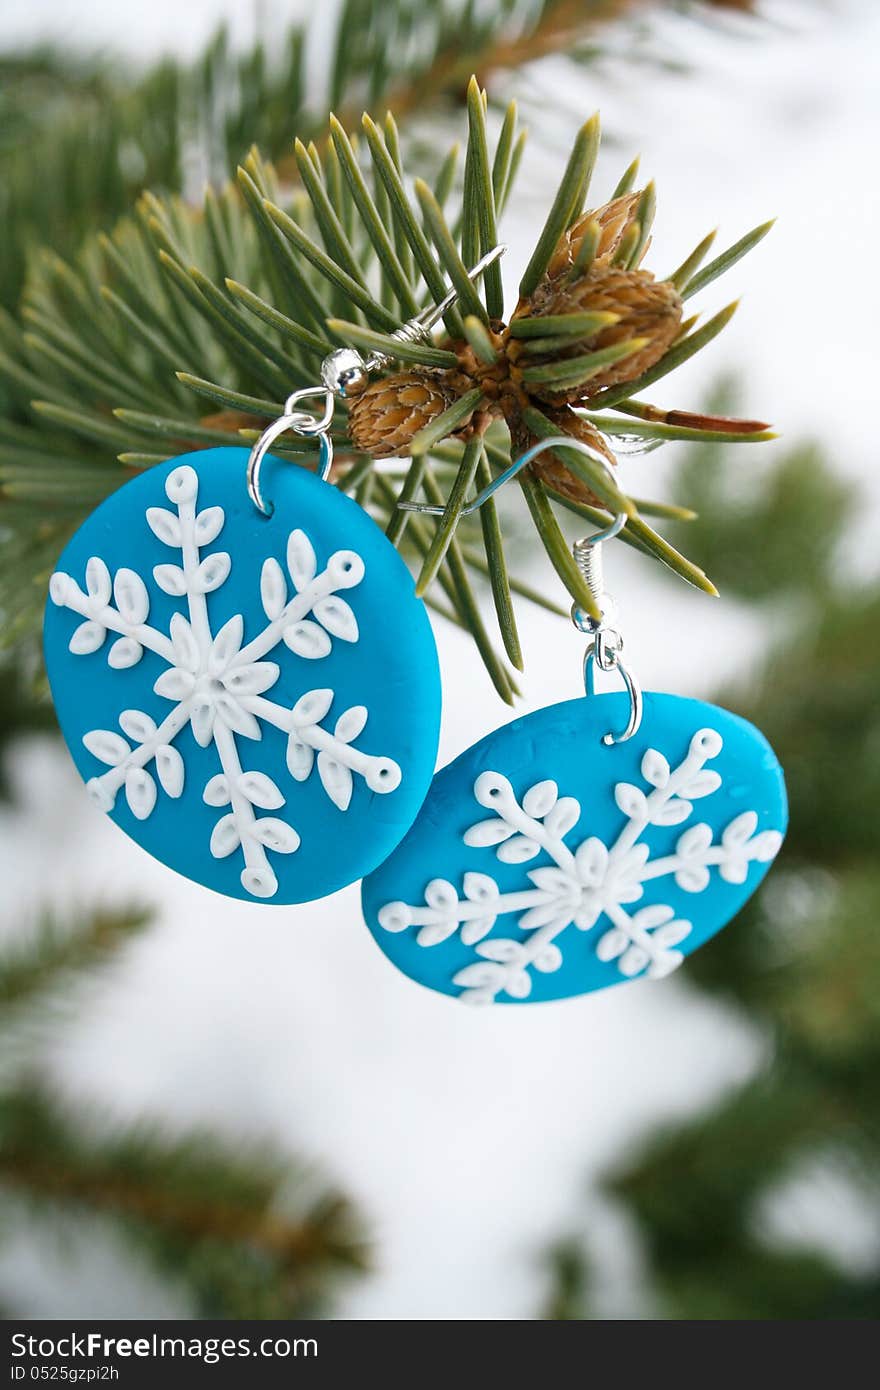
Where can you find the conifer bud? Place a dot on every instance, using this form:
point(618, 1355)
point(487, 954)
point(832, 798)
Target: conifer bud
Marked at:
point(645, 309)
point(552, 469)
point(386, 417)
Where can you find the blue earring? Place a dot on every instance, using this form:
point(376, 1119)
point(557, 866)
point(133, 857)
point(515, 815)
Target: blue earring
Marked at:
point(592, 842)
point(250, 689)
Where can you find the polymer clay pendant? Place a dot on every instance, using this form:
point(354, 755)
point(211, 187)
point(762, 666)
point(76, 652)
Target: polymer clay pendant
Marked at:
point(592, 842)
point(250, 686)
point(254, 698)
point(546, 863)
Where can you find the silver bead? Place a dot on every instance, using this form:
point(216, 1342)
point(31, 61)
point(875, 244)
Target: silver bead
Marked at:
point(344, 372)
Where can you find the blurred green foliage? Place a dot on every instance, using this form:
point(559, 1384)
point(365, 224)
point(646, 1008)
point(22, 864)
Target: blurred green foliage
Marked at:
point(82, 135)
point(238, 1230)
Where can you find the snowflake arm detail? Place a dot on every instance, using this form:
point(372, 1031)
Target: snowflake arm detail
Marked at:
point(153, 743)
point(241, 827)
point(290, 621)
point(586, 883)
point(127, 616)
point(337, 759)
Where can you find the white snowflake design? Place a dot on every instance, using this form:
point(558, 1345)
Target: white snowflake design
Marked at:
point(588, 882)
point(218, 686)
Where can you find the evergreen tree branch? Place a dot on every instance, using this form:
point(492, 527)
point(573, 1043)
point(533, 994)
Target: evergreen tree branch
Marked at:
point(98, 133)
point(45, 958)
point(237, 301)
point(498, 42)
point(243, 1228)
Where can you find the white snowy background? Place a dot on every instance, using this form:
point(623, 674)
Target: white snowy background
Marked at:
point(470, 1138)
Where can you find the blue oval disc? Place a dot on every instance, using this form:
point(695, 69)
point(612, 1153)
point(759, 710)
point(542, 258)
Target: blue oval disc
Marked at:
point(255, 700)
point(546, 864)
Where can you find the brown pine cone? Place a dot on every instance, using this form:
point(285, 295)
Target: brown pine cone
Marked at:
point(552, 471)
point(386, 417)
point(646, 308)
point(614, 219)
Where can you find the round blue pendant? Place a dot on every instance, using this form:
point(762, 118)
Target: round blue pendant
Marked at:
point(255, 700)
point(545, 864)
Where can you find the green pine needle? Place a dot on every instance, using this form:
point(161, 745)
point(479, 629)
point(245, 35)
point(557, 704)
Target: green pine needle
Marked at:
point(727, 259)
point(496, 566)
point(557, 547)
point(446, 423)
point(468, 296)
point(571, 190)
point(449, 520)
point(568, 372)
point(625, 250)
point(481, 189)
point(644, 220)
point(334, 273)
point(372, 221)
point(478, 336)
point(628, 179)
point(419, 353)
point(232, 400)
point(575, 325)
point(680, 352)
point(586, 252)
point(688, 268)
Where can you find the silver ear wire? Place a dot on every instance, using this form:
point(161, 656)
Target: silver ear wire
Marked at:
point(555, 441)
point(605, 647)
point(343, 373)
point(588, 557)
point(606, 643)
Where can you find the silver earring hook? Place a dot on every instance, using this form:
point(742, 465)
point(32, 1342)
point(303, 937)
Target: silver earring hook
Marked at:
point(554, 441)
point(434, 312)
point(606, 643)
point(344, 372)
point(341, 371)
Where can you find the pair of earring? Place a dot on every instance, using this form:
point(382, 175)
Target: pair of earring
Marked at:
point(264, 717)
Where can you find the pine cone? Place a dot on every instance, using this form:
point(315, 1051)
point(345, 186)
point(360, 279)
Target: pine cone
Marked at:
point(614, 219)
point(646, 308)
point(552, 471)
point(386, 417)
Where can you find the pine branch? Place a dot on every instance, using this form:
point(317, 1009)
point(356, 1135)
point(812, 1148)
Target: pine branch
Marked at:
point(244, 1229)
point(81, 138)
point(237, 302)
point(498, 41)
point(46, 957)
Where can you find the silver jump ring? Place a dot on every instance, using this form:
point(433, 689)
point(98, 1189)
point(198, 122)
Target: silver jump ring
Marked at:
point(593, 657)
point(299, 423)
